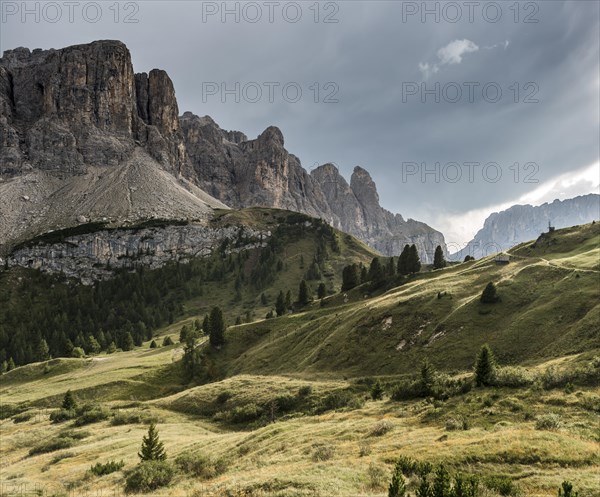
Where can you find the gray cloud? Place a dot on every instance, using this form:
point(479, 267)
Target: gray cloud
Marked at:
point(369, 54)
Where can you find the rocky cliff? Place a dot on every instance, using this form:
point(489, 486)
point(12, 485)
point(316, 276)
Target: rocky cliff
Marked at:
point(261, 172)
point(83, 137)
point(521, 223)
point(92, 256)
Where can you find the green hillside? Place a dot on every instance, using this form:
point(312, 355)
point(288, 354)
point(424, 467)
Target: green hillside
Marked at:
point(286, 407)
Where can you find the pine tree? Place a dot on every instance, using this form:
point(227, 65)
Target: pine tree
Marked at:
point(206, 325)
point(377, 391)
point(485, 367)
point(183, 333)
point(4, 367)
point(152, 448)
point(69, 403)
point(303, 296)
point(489, 294)
point(263, 299)
point(439, 261)
point(468, 258)
point(153, 345)
point(397, 487)
point(427, 377)
point(110, 349)
point(280, 304)
point(414, 263)
point(350, 277)
point(217, 327)
point(375, 270)
point(391, 267)
point(167, 341)
point(322, 291)
point(10, 365)
point(127, 342)
point(403, 261)
point(92, 346)
point(42, 352)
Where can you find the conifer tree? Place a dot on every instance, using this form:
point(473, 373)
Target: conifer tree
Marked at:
point(350, 277)
point(288, 300)
point(280, 304)
point(42, 351)
point(206, 325)
point(10, 365)
point(427, 377)
point(127, 342)
point(69, 403)
point(152, 448)
point(322, 291)
point(414, 262)
point(153, 345)
point(489, 294)
point(485, 367)
point(303, 296)
point(403, 261)
point(217, 327)
point(375, 270)
point(439, 260)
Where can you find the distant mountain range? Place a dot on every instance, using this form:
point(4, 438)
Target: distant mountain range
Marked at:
point(521, 223)
point(84, 139)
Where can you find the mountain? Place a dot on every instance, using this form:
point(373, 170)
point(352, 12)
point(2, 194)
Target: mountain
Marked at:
point(84, 139)
point(520, 223)
point(261, 172)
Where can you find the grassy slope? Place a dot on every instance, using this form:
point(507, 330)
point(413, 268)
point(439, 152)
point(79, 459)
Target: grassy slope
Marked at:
point(546, 311)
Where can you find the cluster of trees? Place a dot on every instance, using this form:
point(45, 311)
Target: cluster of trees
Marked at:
point(382, 269)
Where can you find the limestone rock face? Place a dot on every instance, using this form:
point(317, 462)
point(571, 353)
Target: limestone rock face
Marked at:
point(522, 223)
point(261, 172)
point(80, 133)
point(94, 256)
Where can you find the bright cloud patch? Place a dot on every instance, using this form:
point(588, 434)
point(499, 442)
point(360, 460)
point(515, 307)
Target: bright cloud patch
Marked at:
point(450, 54)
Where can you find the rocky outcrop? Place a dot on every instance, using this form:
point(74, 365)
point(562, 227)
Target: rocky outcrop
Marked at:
point(81, 112)
point(356, 210)
point(261, 172)
point(93, 256)
point(522, 223)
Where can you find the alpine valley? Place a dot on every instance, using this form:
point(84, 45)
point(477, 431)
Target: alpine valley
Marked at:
point(188, 312)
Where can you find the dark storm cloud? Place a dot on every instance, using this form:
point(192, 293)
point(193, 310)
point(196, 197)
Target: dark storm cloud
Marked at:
point(369, 54)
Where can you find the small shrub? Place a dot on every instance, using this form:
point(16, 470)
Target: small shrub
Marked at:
point(223, 397)
point(513, 377)
point(93, 415)
point(148, 476)
point(566, 490)
point(381, 428)
point(101, 469)
point(548, 422)
point(503, 485)
point(53, 445)
point(406, 466)
point(305, 391)
point(62, 415)
point(133, 417)
point(22, 418)
point(59, 457)
point(323, 453)
point(201, 466)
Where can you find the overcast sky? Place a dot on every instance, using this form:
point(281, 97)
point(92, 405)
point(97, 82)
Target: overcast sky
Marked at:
point(375, 61)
